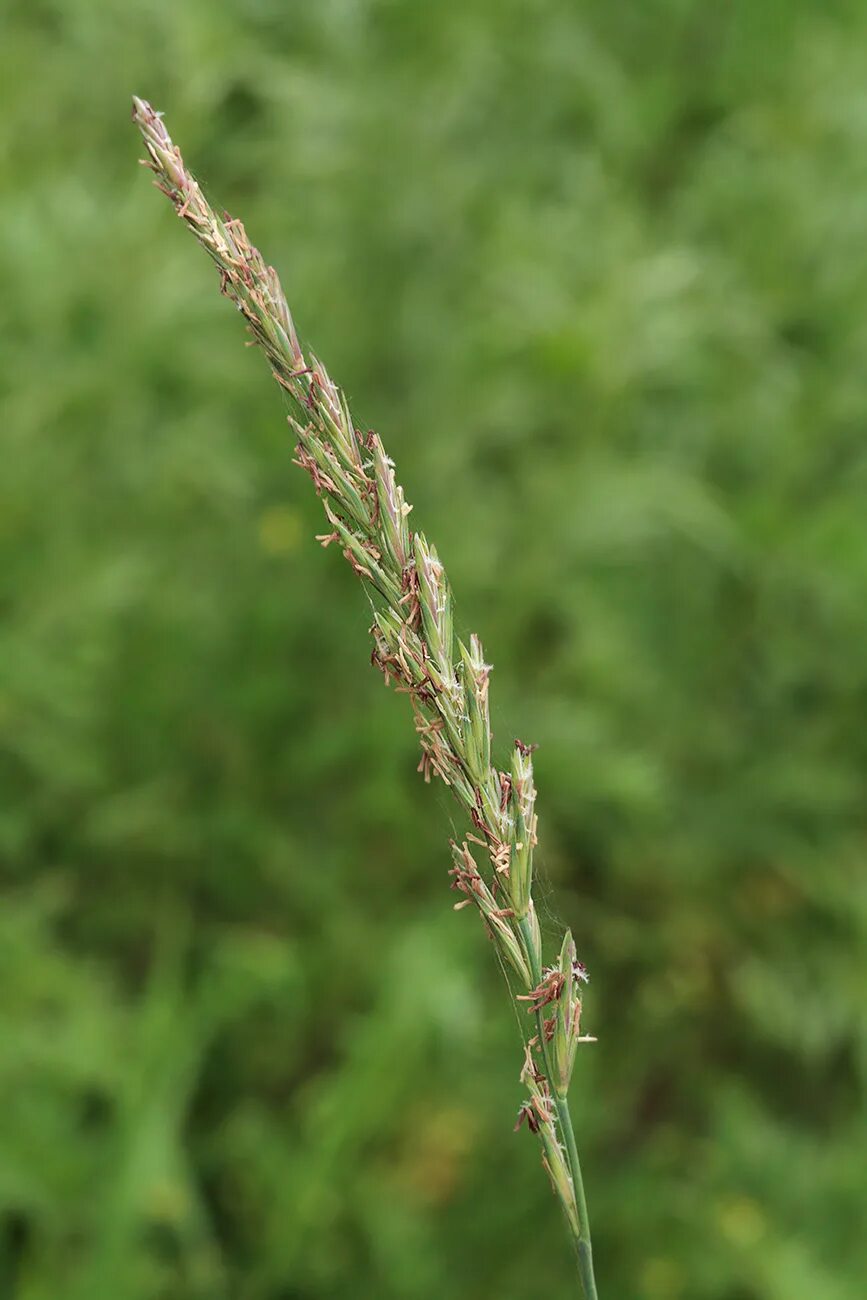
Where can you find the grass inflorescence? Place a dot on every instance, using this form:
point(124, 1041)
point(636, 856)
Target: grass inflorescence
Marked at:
point(415, 647)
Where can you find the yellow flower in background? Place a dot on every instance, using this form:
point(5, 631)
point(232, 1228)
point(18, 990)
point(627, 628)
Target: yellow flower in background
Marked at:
point(279, 530)
point(741, 1220)
point(662, 1279)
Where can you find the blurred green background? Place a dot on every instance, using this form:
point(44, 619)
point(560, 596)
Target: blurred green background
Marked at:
point(598, 274)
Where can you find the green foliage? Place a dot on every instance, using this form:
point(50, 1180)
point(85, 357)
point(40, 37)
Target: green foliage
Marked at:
point(599, 276)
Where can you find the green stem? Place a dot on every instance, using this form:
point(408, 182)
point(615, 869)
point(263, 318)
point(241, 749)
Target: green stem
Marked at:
point(583, 1245)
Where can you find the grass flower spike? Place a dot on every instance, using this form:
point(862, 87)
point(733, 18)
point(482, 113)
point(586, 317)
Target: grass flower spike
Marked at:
point(415, 647)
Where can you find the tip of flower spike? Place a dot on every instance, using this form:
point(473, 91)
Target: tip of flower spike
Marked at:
point(148, 120)
point(141, 110)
